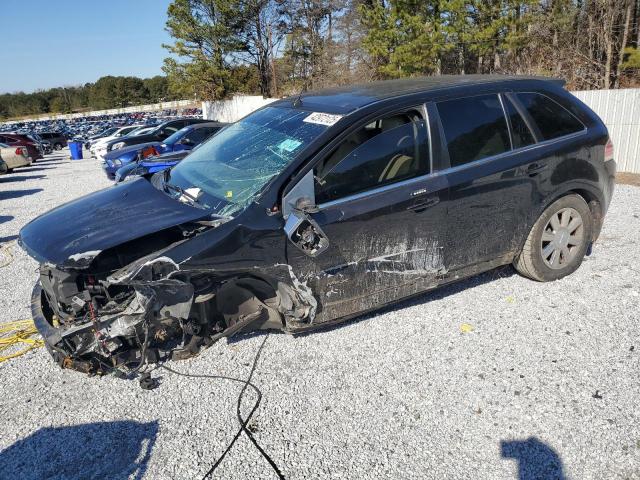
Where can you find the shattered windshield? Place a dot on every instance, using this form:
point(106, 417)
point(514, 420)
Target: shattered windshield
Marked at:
point(231, 168)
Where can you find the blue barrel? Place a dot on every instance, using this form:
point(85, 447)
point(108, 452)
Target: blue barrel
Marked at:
point(76, 150)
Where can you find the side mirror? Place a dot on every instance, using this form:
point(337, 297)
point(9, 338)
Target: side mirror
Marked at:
point(306, 234)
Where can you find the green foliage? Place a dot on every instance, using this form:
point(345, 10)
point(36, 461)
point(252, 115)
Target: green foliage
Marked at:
point(405, 37)
point(205, 33)
point(631, 59)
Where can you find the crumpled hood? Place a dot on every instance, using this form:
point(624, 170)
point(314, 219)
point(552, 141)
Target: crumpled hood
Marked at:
point(131, 148)
point(73, 234)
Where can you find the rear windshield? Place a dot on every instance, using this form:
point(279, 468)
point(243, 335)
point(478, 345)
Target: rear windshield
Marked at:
point(232, 167)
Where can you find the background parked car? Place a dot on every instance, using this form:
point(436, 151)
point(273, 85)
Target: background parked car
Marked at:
point(97, 136)
point(190, 136)
point(43, 146)
point(16, 140)
point(159, 134)
point(184, 140)
point(57, 139)
point(13, 157)
point(99, 148)
point(148, 165)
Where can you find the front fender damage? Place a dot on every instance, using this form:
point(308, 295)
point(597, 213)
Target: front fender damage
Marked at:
point(156, 309)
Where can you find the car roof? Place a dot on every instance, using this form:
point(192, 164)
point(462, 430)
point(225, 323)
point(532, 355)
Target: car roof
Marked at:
point(195, 126)
point(349, 98)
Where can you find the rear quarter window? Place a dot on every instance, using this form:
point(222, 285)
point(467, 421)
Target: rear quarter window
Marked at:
point(552, 119)
point(474, 128)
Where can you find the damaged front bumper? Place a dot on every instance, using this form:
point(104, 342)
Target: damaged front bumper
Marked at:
point(141, 331)
point(152, 311)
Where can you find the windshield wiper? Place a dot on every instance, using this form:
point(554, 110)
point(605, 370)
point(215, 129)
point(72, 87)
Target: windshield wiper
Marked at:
point(194, 200)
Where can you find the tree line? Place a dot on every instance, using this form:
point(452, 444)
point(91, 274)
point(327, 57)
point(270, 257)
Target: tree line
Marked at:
point(107, 92)
point(281, 47)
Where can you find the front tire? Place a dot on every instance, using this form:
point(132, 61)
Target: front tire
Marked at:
point(558, 240)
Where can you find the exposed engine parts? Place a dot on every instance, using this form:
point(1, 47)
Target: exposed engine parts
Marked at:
point(151, 311)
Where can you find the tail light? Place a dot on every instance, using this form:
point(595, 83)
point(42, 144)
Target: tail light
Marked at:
point(608, 151)
point(21, 151)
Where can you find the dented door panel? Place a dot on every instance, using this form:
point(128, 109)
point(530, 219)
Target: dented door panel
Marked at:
point(383, 246)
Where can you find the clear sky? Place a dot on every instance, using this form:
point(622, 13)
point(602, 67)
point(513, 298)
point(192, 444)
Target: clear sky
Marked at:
point(51, 43)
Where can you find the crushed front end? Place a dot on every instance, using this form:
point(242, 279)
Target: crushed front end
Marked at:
point(95, 325)
point(155, 309)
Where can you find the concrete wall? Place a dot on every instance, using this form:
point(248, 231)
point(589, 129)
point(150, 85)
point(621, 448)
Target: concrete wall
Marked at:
point(620, 111)
point(234, 109)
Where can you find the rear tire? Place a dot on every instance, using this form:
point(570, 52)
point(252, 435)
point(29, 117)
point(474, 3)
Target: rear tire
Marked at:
point(558, 240)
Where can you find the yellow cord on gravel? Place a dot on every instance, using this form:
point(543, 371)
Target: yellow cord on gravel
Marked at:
point(6, 257)
point(18, 333)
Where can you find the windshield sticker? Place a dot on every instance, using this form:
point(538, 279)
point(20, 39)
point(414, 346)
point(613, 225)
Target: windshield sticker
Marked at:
point(289, 145)
point(320, 118)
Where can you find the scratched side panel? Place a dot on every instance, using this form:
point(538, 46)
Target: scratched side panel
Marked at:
point(382, 248)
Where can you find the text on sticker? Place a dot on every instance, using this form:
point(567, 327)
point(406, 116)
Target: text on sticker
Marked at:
point(320, 118)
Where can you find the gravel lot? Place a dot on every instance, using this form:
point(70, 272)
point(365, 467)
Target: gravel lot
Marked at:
point(546, 385)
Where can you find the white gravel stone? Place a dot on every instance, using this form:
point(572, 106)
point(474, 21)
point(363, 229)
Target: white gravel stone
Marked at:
point(402, 393)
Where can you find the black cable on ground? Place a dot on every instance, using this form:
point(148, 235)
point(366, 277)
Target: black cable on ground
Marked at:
point(243, 421)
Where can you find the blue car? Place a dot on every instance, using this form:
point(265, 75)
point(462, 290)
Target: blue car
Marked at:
point(149, 165)
point(183, 140)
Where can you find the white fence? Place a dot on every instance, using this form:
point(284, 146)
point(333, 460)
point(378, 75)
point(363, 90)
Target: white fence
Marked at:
point(620, 111)
point(233, 109)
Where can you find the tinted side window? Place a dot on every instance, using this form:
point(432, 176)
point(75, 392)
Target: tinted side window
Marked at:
point(520, 133)
point(169, 130)
point(474, 128)
point(391, 153)
point(198, 135)
point(552, 119)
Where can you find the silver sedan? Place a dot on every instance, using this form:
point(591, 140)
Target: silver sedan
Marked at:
point(12, 157)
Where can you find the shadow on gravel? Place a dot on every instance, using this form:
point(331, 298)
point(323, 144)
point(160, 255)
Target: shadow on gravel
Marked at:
point(536, 460)
point(47, 163)
point(9, 238)
point(6, 218)
point(18, 193)
point(35, 169)
point(51, 161)
point(21, 179)
point(114, 450)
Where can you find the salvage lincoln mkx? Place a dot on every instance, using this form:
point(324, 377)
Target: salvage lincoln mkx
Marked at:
point(318, 208)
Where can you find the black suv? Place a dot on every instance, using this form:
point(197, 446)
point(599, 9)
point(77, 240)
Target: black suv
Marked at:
point(160, 133)
point(318, 208)
point(57, 140)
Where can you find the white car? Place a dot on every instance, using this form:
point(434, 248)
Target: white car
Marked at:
point(99, 148)
point(12, 157)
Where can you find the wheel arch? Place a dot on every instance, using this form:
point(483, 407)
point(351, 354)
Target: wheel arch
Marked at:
point(589, 194)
